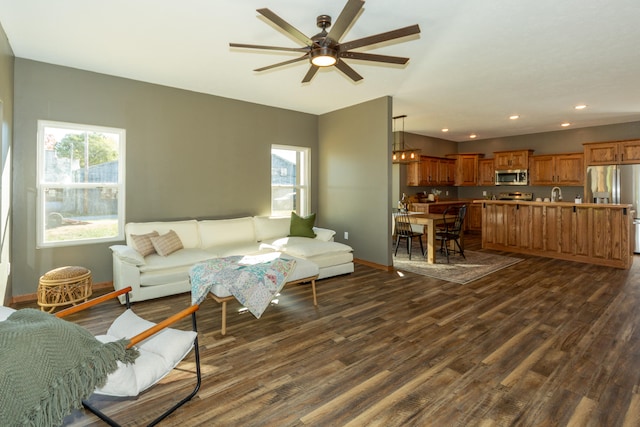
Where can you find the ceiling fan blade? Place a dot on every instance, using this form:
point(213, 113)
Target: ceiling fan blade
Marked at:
point(258, 46)
point(312, 72)
point(342, 66)
point(288, 28)
point(348, 14)
point(373, 57)
point(280, 64)
point(382, 37)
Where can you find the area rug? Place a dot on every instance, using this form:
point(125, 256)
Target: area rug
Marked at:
point(459, 270)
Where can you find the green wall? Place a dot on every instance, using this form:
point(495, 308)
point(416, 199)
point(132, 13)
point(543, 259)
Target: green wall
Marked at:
point(355, 177)
point(189, 155)
point(6, 125)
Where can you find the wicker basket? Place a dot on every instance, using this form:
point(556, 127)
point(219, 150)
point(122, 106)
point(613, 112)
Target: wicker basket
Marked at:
point(64, 286)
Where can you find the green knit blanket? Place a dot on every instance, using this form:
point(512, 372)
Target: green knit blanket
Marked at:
point(49, 365)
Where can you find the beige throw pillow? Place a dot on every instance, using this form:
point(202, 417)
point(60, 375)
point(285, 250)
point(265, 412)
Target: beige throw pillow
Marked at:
point(167, 243)
point(142, 243)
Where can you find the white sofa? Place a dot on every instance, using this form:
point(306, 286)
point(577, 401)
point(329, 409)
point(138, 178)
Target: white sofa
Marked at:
point(155, 276)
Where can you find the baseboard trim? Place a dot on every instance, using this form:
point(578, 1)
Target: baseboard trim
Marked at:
point(34, 297)
point(374, 265)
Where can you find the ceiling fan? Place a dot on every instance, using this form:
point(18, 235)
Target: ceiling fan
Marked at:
point(325, 49)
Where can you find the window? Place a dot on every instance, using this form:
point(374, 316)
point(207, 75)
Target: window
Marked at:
point(290, 180)
point(80, 184)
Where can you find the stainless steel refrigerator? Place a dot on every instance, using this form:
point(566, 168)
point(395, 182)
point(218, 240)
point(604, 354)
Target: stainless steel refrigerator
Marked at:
point(615, 184)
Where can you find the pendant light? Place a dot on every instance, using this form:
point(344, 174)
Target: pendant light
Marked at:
point(402, 153)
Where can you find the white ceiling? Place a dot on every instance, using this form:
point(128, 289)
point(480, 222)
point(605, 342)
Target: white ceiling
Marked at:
point(475, 62)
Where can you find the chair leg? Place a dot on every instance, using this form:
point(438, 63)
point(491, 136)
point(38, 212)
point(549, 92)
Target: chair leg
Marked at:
point(460, 248)
point(422, 247)
point(446, 248)
point(397, 243)
point(409, 244)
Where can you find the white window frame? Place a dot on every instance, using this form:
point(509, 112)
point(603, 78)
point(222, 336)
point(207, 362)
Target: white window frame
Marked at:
point(303, 178)
point(42, 184)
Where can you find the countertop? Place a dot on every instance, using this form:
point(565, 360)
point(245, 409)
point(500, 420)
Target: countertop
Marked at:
point(569, 204)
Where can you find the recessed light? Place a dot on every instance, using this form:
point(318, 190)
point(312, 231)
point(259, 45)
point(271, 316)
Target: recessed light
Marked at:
point(580, 107)
point(514, 117)
point(445, 130)
point(565, 124)
point(473, 135)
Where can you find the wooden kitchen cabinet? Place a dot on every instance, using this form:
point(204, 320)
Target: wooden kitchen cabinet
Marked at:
point(413, 174)
point(505, 160)
point(446, 171)
point(466, 173)
point(557, 169)
point(431, 171)
point(614, 152)
point(473, 218)
point(486, 172)
point(589, 233)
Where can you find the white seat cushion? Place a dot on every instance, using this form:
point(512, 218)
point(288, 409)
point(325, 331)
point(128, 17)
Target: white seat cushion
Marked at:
point(305, 247)
point(5, 312)
point(159, 354)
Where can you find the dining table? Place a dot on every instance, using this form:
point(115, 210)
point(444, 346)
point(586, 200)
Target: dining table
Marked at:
point(430, 221)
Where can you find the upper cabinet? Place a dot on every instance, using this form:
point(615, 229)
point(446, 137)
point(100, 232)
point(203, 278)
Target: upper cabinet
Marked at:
point(430, 171)
point(487, 175)
point(446, 171)
point(413, 174)
point(557, 169)
point(616, 152)
point(504, 160)
point(467, 166)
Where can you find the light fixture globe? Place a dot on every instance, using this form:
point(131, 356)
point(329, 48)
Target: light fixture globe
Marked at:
point(323, 56)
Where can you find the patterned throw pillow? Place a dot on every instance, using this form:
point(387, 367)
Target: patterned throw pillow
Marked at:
point(167, 243)
point(302, 226)
point(143, 244)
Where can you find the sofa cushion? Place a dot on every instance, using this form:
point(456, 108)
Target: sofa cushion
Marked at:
point(230, 249)
point(226, 231)
point(302, 226)
point(187, 231)
point(180, 258)
point(167, 243)
point(305, 247)
point(142, 243)
point(271, 227)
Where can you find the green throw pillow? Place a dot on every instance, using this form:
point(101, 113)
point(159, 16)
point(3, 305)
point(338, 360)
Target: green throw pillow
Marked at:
point(302, 226)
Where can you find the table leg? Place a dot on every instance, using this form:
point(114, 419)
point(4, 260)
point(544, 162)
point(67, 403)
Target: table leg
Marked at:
point(431, 242)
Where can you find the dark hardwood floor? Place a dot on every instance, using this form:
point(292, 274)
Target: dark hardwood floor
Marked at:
point(542, 343)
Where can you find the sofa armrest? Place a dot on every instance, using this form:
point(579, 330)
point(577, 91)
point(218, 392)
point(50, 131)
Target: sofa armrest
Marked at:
point(324, 234)
point(125, 273)
point(127, 254)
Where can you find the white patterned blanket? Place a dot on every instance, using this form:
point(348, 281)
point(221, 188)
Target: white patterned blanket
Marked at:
point(253, 280)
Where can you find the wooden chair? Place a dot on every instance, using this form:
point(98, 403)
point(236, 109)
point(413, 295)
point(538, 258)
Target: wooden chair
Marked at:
point(404, 230)
point(452, 229)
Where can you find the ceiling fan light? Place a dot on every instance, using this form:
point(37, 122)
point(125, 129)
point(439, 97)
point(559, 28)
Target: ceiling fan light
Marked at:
point(323, 57)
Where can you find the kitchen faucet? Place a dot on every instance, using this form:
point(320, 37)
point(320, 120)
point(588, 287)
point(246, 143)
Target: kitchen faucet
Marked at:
point(556, 196)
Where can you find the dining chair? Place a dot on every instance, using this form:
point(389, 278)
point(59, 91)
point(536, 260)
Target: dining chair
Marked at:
point(404, 230)
point(452, 229)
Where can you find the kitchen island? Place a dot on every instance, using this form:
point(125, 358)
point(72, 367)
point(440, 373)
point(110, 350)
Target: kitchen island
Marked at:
point(472, 221)
point(585, 232)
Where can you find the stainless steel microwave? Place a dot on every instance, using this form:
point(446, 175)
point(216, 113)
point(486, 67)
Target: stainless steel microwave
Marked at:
point(512, 177)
